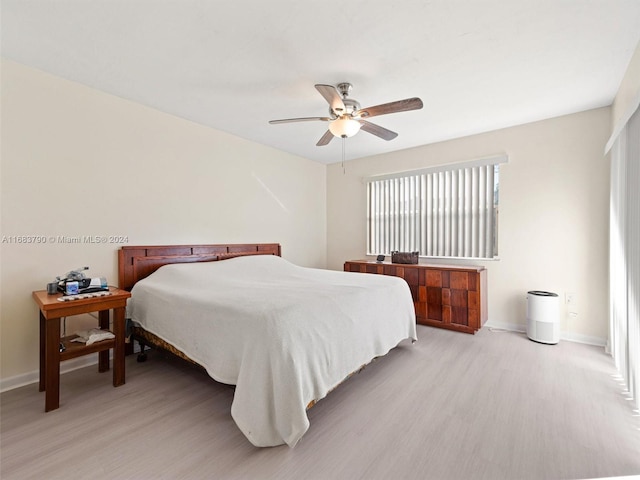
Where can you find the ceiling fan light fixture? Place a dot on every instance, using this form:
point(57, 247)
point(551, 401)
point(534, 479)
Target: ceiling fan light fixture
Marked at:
point(344, 127)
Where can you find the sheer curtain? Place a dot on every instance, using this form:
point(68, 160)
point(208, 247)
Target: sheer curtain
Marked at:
point(624, 270)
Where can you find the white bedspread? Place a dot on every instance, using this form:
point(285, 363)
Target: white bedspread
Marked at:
point(283, 334)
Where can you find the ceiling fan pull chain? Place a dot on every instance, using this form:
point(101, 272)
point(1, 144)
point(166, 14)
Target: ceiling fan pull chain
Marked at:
point(344, 142)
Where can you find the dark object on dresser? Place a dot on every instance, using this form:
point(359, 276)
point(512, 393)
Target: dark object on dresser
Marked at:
point(407, 258)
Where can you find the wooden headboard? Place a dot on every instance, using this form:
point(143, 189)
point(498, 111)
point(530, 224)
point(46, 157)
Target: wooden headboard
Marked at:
point(136, 263)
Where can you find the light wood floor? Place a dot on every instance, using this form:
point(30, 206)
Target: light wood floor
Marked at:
point(490, 406)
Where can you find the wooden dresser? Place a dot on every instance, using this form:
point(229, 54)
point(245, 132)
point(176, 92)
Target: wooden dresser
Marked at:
point(444, 296)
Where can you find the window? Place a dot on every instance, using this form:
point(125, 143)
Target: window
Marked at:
point(448, 211)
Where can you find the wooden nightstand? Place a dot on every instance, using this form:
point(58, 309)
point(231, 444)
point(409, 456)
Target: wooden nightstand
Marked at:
point(51, 311)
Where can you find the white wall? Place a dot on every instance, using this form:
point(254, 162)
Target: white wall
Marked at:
point(553, 213)
point(77, 162)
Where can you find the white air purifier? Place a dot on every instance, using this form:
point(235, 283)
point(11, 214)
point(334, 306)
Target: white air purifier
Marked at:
point(543, 317)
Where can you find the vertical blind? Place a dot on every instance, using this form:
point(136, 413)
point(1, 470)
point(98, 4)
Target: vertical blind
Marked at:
point(624, 255)
point(449, 211)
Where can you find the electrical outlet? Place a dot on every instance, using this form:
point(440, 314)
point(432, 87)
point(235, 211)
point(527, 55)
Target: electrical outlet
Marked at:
point(572, 305)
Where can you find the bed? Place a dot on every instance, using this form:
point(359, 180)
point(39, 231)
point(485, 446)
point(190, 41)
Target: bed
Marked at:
point(284, 335)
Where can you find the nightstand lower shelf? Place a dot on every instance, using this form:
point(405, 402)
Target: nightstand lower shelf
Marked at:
point(78, 349)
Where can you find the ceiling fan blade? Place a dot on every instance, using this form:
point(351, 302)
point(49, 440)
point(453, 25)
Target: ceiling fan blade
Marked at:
point(303, 119)
point(325, 139)
point(393, 107)
point(377, 130)
point(331, 95)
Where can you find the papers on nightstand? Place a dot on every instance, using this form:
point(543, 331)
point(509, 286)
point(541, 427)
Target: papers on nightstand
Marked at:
point(93, 335)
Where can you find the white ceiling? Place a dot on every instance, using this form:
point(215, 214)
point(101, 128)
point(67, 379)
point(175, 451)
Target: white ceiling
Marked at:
point(477, 65)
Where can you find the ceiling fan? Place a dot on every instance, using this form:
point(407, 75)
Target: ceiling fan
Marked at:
point(346, 118)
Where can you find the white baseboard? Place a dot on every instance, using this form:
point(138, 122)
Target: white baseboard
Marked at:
point(512, 327)
point(586, 339)
point(65, 367)
point(88, 360)
point(568, 336)
point(34, 376)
